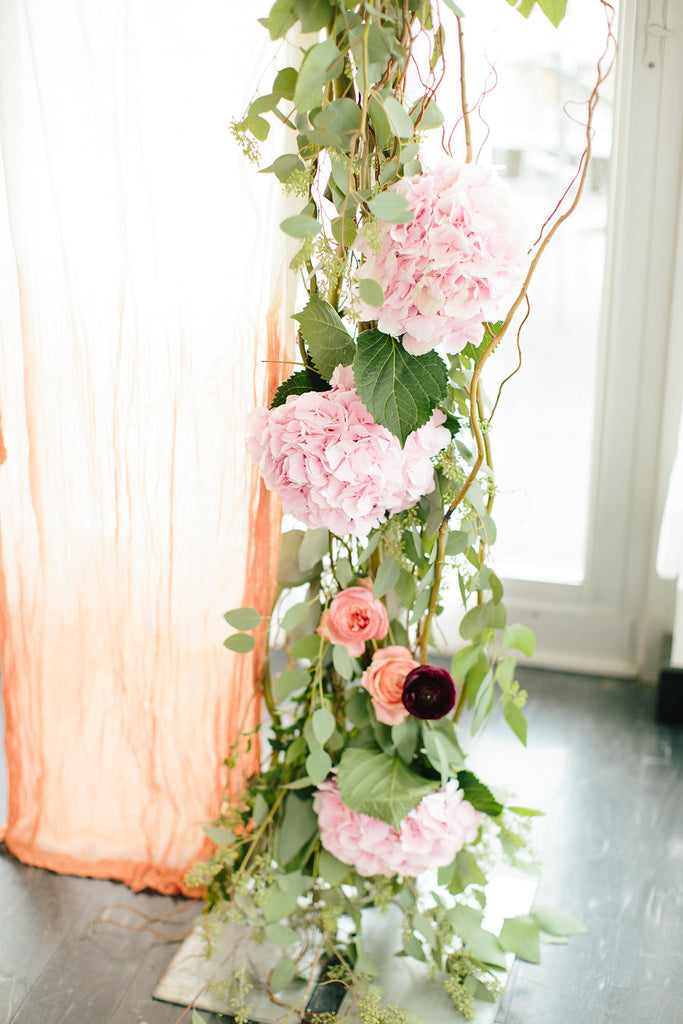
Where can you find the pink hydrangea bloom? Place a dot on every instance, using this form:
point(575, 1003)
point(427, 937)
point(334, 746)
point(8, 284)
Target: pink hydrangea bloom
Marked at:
point(429, 837)
point(333, 466)
point(454, 265)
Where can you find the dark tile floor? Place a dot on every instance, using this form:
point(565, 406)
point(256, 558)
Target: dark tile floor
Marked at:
point(611, 781)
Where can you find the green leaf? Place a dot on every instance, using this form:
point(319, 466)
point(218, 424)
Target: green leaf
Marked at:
point(290, 681)
point(514, 717)
point(371, 291)
point(300, 383)
point(398, 389)
point(281, 935)
point(428, 114)
point(301, 226)
point(299, 824)
point(241, 643)
point(483, 704)
point(284, 167)
point(280, 19)
point(519, 638)
point(197, 1017)
point(379, 785)
point(520, 935)
point(487, 948)
point(308, 647)
point(466, 921)
point(342, 117)
point(313, 14)
point(289, 571)
point(285, 83)
point(474, 622)
point(344, 230)
point(393, 208)
point(479, 795)
point(442, 747)
point(219, 835)
point(318, 766)
point(454, 7)
point(328, 341)
point(331, 869)
point(344, 572)
point(260, 810)
point(341, 660)
point(463, 872)
point(526, 812)
point(405, 736)
point(404, 588)
point(323, 725)
point(258, 126)
point(399, 119)
point(462, 662)
point(282, 974)
point(457, 542)
point(554, 10)
point(321, 63)
point(314, 546)
point(294, 616)
point(556, 922)
point(243, 618)
point(387, 576)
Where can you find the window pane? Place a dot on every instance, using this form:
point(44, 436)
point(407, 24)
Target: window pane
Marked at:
point(542, 433)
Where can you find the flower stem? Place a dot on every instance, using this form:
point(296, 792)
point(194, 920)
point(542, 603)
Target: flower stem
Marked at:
point(463, 97)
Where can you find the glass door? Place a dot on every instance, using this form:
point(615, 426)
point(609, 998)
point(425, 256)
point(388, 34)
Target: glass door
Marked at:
point(580, 438)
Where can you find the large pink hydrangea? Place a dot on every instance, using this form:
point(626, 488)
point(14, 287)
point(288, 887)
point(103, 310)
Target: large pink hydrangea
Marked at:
point(333, 466)
point(429, 837)
point(454, 265)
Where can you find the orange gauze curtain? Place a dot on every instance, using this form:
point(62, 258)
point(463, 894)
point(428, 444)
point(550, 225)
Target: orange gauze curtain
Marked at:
point(141, 318)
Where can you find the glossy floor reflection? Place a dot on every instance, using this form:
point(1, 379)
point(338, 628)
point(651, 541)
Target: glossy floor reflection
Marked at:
point(611, 782)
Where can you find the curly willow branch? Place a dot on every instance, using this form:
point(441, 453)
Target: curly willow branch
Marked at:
point(603, 68)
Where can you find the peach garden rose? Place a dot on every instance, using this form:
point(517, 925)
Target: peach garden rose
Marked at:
point(384, 680)
point(353, 617)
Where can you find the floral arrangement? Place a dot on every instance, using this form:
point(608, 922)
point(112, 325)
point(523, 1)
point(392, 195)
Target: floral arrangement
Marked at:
point(378, 445)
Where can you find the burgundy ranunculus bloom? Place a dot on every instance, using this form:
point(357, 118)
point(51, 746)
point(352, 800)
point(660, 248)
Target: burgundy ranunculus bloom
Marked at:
point(429, 692)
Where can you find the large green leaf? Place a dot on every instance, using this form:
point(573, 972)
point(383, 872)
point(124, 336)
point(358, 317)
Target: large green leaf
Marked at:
point(328, 341)
point(554, 10)
point(300, 383)
point(299, 824)
point(479, 795)
point(398, 389)
point(391, 207)
point(379, 785)
point(313, 14)
point(281, 18)
point(321, 63)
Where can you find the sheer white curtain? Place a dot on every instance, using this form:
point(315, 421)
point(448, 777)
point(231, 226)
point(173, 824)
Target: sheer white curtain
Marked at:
point(141, 296)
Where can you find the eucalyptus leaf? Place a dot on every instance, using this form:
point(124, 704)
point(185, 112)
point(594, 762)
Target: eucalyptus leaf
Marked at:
point(289, 571)
point(519, 638)
point(282, 974)
point(323, 725)
point(462, 662)
point(285, 83)
point(308, 647)
point(556, 922)
point(321, 63)
point(241, 643)
point(398, 389)
point(318, 766)
point(314, 546)
point(474, 622)
point(301, 226)
point(299, 824)
point(284, 167)
point(290, 681)
point(520, 935)
point(219, 835)
point(281, 18)
point(387, 576)
point(392, 208)
point(281, 934)
point(313, 14)
point(380, 785)
point(371, 292)
point(341, 660)
point(331, 869)
point(515, 718)
point(294, 616)
point(243, 618)
point(399, 119)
